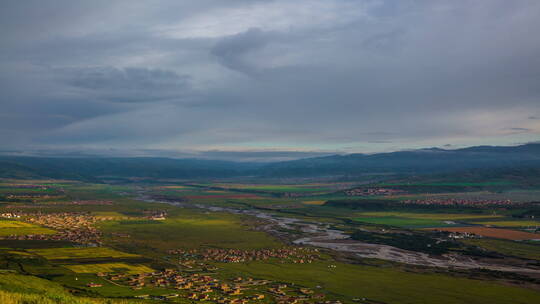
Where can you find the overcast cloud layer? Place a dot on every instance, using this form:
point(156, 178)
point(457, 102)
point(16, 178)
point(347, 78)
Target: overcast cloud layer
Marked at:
point(246, 75)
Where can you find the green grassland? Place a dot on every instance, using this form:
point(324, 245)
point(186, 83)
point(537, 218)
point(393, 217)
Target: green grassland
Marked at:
point(80, 253)
point(507, 247)
point(385, 284)
point(109, 267)
point(190, 229)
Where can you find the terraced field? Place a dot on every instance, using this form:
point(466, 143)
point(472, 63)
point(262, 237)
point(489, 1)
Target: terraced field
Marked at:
point(21, 228)
point(81, 253)
point(110, 268)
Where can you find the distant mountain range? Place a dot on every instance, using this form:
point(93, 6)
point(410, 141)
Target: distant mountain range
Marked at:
point(423, 161)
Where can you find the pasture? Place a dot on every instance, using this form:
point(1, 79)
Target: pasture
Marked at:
point(80, 253)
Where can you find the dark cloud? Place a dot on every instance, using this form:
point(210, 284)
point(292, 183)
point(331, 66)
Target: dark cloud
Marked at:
point(234, 51)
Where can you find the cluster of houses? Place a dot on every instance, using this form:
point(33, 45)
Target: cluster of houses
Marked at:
point(202, 287)
point(463, 235)
point(462, 202)
point(10, 215)
point(155, 215)
point(71, 226)
point(299, 255)
point(372, 191)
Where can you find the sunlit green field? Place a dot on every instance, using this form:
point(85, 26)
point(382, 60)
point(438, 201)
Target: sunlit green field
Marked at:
point(109, 267)
point(80, 253)
point(21, 228)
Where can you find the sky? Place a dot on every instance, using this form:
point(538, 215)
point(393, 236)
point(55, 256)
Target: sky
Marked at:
point(267, 78)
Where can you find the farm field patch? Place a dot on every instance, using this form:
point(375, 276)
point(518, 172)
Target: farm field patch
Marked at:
point(494, 232)
point(431, 216)
point(403, 222)
point(80, 253)
point(14, 224)
point(510, 223)
point(512, 248)
point(316, 203)
point(109, 268)
point(21, 228)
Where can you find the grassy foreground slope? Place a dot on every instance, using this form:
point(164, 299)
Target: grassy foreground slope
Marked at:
point(18, 289)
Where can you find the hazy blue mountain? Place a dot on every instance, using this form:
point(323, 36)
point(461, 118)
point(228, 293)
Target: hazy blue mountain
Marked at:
point(423, 161)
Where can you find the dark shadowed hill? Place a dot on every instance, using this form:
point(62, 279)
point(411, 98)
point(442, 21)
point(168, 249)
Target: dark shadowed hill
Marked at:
point(414, 162)
point(424, 161)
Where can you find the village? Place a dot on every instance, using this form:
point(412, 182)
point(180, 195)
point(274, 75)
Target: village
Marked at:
point(372, 191)
point(299, 255)
point(203, 287)
point(77, 227)
point(477, 203)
